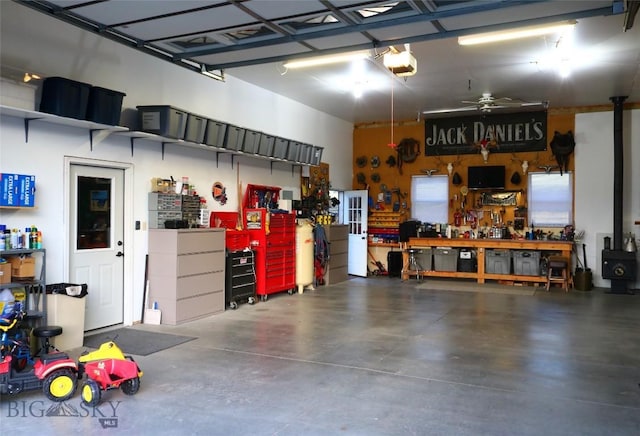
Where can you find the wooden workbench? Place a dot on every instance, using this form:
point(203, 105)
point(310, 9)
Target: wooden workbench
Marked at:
point(563, 248)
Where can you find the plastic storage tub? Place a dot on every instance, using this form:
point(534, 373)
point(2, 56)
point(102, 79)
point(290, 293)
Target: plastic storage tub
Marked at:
point(65, 97)
point(280, 148)
point(215, 133)
point(265, 147)
point(316, 155)
point(163, 120)
point(445, 259)
point(467, 262)
point(251, 141)
point(526, 263)
point(293, 153)
point(196, 127)
point(497, 262)
point(235, 138)
point(424, 257)
point(104, 106)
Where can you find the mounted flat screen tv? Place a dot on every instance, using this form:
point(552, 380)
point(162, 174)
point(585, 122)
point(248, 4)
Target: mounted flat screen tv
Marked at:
point(486, 177)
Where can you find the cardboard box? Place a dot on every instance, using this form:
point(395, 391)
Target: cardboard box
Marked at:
point(9, 185)
point(5, 273)
point(22, 267)
point(17, 190)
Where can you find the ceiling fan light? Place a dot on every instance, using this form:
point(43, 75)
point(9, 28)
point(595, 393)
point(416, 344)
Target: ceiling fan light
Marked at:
point(522, 32)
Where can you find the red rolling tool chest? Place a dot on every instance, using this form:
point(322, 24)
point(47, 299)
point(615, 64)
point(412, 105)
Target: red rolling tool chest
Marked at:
point(273, 238)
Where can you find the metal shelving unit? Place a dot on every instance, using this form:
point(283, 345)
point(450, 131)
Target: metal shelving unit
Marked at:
point(35, 289)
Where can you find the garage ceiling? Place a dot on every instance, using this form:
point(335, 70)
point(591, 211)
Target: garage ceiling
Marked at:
point(251, 40)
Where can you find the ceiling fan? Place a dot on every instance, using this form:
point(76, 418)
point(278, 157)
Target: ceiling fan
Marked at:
point(488, 103)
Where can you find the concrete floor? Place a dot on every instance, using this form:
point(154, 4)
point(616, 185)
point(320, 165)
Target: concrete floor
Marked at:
point(379, 356)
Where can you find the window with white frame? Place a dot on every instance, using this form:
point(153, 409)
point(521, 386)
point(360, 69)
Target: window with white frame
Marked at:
point(430, 198)
point(550, 199)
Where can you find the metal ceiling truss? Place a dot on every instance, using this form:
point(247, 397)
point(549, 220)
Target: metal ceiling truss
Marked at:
point(333, 19)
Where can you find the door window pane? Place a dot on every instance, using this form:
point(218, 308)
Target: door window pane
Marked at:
point(94, 213)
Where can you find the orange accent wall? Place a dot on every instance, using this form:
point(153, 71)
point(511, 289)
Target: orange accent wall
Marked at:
point(372, 140)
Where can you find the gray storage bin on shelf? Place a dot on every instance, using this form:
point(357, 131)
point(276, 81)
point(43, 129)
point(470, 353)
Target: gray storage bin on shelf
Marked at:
point(235, 138)
point(265, 147)
point(424, 258)
point(196, 127)
point(306, 151)
point(163, 120)
point(215, 133)
point(316, 155)
point(293, 153)
point(251, 141)
point(526, 262)
point(445, 259)
point(280, 148)
point(497, 261)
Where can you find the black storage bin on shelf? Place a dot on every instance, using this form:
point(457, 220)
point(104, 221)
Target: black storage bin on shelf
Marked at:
point(293, 153)
point(65, 97)
point(163, 120)
point(468, 261)
point(105, 106)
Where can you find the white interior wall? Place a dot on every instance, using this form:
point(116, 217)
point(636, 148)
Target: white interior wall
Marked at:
point(594, 182)
point(37, 43)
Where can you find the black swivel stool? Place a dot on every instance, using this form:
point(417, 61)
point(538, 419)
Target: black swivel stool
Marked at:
point(43, 334)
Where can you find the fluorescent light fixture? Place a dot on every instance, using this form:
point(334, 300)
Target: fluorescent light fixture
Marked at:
point(522, 32)
point(326, 60)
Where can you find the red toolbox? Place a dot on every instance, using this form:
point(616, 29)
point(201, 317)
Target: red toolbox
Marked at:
point(273, 238)
point(235, 240)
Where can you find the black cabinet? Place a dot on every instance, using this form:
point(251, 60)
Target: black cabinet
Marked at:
point(240, 278)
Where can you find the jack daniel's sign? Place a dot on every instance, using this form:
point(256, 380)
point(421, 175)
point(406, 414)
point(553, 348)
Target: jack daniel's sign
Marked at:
point(512, 132)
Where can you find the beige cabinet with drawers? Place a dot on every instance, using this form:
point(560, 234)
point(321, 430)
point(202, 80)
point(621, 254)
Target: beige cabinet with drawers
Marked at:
point(338, 237)
point(187, 273)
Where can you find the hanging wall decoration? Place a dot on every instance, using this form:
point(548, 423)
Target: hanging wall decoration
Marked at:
point(218, 191)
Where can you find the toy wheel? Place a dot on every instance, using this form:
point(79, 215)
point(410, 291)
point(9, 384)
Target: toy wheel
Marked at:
point(131, 386)
point(233, 305)
point(251, 300)
point(91, 393)
point(60, 385)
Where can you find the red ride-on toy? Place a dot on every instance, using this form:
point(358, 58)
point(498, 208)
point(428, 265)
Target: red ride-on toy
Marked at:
point(55, 373)
point(108, 368)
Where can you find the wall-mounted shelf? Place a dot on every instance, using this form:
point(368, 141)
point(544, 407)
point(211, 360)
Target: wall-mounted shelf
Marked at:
point(29, 116)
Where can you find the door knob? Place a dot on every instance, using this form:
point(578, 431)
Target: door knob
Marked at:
point(119, 254)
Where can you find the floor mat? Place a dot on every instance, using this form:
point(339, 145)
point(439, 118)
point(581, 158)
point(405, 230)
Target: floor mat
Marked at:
point(491, 288)
point(138, 342)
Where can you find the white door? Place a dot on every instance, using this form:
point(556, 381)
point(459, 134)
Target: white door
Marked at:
point(354, 214)
point(96, 249)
